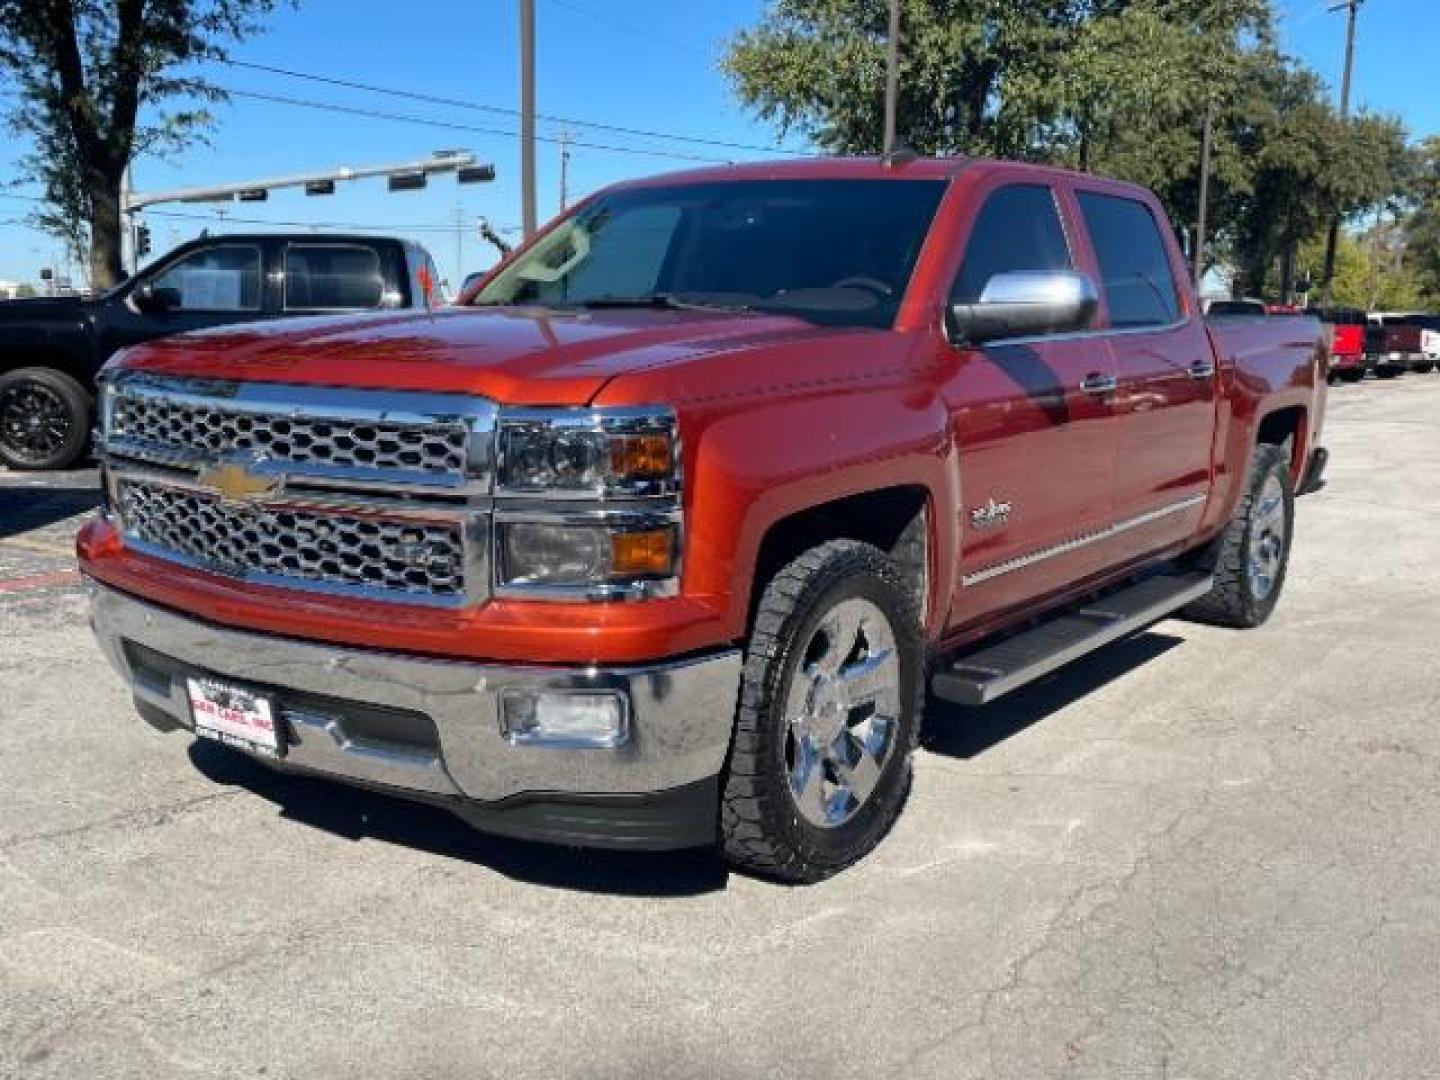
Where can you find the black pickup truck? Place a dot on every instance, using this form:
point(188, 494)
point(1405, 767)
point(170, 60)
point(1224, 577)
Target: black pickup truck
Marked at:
point(52, 348)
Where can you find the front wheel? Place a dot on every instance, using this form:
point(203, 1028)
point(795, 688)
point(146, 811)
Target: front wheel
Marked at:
point(829, 712)
point(44, 419)
point(1253, 552)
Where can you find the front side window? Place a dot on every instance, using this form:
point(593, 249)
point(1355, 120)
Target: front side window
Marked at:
point(1136, 279)
point(1018, 230)
point(223, 278)
point(832, 251)
point(330, 277)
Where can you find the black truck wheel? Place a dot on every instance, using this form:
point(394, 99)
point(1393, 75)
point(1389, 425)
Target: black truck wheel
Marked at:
point(1252, 554)
point(44, 419)
point(828, 716)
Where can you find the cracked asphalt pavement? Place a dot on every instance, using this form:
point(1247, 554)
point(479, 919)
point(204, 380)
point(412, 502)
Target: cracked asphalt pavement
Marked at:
point(1199, 853)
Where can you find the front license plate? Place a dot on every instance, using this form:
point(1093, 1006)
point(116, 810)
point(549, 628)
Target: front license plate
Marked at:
point(239, 718)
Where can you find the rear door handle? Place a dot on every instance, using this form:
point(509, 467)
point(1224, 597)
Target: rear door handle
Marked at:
point(1202, 369)
point(1099, 384)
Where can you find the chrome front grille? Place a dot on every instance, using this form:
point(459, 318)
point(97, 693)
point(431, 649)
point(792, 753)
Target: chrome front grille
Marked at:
point(378, 494)
point(293, 545)
point(321, 433)
point(162, 422)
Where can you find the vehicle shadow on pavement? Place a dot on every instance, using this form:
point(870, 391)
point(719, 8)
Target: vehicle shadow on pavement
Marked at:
point(26, 508)
point(357, 814)
point(962, 732)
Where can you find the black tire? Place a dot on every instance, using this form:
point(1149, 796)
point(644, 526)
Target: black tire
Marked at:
point(762, 827)
point(1389, 373)
point(1350, 376)
point(1236, 599)
point(1424, 369)
point(44, 419)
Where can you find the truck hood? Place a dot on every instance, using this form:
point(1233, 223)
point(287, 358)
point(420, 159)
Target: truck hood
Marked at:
point(518, 356)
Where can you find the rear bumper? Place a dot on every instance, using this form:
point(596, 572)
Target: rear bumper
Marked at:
point(431, 729)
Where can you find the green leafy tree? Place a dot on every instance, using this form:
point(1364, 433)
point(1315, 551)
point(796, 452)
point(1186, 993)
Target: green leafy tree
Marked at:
point(1422, 228)
point(101, 81)
point(1371, 271)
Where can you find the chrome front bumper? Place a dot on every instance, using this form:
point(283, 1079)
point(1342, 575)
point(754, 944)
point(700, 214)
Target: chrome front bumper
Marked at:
point(680, 712)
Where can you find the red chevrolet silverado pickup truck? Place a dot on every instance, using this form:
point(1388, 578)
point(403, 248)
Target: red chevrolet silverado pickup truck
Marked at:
point(663, 535)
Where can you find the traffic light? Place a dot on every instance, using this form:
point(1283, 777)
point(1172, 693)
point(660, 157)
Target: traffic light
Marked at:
point(475, 174)
point(142, 239)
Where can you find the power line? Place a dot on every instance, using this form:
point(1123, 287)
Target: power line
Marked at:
point(210, 219)
point(647, 32)
point(500, 110)
point(405, 118)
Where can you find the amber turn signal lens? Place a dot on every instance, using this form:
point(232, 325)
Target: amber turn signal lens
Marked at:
point(642, 554)
point(640, 455)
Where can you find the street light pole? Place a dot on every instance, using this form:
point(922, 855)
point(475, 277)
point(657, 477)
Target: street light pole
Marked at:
point(1332, 238)
point(527, 116)
point(892, 75)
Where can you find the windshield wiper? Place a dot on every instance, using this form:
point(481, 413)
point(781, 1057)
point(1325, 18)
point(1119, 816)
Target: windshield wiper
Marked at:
point(665, 300)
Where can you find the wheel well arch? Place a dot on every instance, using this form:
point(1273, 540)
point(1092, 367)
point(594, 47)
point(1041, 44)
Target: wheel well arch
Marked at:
point(1285, 427)
point(897, 520)
point(50, 356)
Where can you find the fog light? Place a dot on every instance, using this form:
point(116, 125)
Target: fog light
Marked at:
point(565, 718)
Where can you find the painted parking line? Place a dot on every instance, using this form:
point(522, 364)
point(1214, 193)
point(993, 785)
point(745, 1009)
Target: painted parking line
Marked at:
point(32, 582)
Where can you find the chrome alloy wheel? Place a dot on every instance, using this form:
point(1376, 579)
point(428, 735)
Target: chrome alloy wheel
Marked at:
point(34, 422)
point(1267, 539)
point(842, 713)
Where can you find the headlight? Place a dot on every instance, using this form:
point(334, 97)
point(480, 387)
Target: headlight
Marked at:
point(599, 559)
point(587, 503)
point(579, 452)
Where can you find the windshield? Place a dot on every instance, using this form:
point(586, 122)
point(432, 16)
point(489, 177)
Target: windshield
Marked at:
point(838, 252)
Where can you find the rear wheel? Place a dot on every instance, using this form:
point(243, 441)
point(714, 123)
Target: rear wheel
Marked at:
point(1425, 367)
point(1253, 553)
point(44, 419)
point(829, 711)
point(1350, 376)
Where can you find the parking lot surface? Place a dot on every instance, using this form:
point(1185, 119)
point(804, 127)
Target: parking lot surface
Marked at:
point(1199, 853)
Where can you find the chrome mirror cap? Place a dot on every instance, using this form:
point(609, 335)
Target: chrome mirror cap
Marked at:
point(1024, 304)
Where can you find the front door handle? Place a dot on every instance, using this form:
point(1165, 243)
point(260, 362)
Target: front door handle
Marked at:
point(1099, 384)
point(1202, 369)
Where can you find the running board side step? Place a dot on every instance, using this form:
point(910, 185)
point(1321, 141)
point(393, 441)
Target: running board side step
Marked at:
point(993, 670)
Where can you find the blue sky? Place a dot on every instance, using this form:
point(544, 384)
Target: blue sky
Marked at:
point(647, 64)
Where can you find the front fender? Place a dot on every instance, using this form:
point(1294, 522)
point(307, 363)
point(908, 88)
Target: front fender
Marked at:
point(751, 468)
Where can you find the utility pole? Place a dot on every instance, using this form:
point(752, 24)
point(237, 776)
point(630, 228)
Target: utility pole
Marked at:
point(564, 169)
point(527, 116)
point(1204, 194)
point(1332, 238)
point(892, 75)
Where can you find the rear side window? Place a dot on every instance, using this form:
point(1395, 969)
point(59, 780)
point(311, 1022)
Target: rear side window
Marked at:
point(1134, 267)
point(332, 276)
point(1018, 231)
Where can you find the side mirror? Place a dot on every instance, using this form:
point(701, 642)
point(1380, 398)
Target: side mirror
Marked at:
point(1022, 304)
point(156, 301)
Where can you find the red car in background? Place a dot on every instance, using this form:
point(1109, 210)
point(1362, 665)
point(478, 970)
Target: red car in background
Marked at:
point(1344, 330)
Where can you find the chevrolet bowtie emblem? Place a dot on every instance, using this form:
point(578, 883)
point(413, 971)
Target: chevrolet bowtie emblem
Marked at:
point(234, 482)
